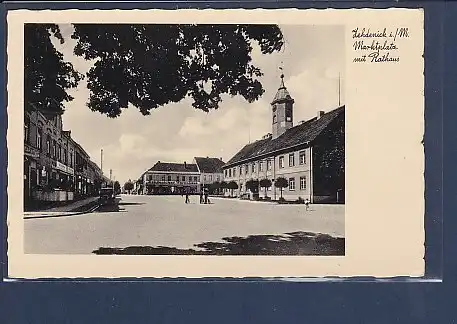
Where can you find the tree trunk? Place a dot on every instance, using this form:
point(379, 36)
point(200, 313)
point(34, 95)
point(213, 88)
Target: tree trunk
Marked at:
point(281, 192)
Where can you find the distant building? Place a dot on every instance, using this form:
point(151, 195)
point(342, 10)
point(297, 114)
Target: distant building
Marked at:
point(176, 178)
point(171, 178)
point(310, 155)
point(210, 169)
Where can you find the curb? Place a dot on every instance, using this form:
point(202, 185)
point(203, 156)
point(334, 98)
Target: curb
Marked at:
point(65, 215)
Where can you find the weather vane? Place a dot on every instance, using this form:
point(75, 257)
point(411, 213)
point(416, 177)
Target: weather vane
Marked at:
point(282, 70)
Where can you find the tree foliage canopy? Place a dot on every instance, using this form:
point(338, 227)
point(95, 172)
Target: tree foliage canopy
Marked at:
point(153, 65)
point(148, 65)
point(281, 183)
point(47, 77)
point(265, 183)
point(252, 185)
point(232, 185)
point(128, 186)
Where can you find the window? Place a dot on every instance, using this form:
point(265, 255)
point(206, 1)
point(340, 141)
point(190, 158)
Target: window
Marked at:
point(253, 167)
point(281, 162)
point(288, 112)
point(163, 178)
point(149, 177)
point(195, 179)
point(225, 173)
point(274, 117)
point(65, 156)
point(54, 148)
point(210, 178)
point(241, 187)
point(260, 166)
point(246, 169)
point(291, 160)
point(183, 178)
point(38, 139)
point(204, 178)
point(48, 145)
point(26, 132)
point(240, 170)
point(230, 173)
point(169, 178)
point(302, 183)
point(291, 183)
point(234, 172)
point(59, 153)
point(302, 157)
point(71, 159)
point(268, 164)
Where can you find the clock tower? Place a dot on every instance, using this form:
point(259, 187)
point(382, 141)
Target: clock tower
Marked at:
point(282, 108)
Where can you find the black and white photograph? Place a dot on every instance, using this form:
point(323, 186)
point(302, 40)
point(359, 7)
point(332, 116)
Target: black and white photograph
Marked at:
point(215, 143)
point(184, 139)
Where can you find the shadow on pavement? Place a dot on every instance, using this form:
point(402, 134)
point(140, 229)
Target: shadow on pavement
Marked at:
point(130, 203)
point(110, 208)
point(296, 243)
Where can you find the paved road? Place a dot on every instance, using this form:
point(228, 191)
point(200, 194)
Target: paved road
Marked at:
point(168, 221)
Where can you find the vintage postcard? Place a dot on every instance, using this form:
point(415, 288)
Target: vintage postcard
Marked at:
point(215, 143)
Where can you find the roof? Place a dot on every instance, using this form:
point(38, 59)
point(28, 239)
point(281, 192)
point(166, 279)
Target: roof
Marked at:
point(282, 93)
point(297, 135)
point(174, 167)
point(209, 165)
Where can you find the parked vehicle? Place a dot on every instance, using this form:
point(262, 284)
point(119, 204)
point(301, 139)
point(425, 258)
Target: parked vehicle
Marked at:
point(107, 196)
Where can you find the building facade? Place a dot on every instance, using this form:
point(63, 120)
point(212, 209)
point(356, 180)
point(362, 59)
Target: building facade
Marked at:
point(171, 178)
point(310, 156)
point(210, 170)
point(52, 160)
point(177, 178)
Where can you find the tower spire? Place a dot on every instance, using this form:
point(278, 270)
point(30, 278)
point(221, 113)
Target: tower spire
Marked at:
point(282, 86)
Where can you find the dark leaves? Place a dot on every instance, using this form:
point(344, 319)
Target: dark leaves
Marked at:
point(152, 65)
point(47, 77)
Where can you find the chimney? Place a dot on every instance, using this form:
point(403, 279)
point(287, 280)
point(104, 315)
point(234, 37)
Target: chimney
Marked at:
point(185, 165)
point(320, 113)
point(220, 158)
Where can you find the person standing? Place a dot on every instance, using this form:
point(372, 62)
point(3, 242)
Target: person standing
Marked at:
point(206, 196)
point(201, 195)
point(307, 204)
point(187, 196)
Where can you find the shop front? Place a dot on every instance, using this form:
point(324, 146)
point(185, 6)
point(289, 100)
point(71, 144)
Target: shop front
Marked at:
point(64, 176)
point(31, 155)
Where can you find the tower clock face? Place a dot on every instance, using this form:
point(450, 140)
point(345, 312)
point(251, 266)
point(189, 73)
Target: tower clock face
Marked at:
point(289, 118)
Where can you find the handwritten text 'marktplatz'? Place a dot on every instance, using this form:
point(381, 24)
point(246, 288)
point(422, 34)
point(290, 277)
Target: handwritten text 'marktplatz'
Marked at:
point(374, 46)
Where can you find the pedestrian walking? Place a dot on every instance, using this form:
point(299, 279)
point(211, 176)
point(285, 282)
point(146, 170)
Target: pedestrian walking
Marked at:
point(307, 204)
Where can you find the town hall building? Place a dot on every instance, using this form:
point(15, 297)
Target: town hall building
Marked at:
point(310, 156)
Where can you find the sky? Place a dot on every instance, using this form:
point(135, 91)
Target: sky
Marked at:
point(312, 60)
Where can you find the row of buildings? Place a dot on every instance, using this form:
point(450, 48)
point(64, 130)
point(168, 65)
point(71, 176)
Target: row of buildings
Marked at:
point(178, 178)
point(309, 155)
point(56, 167)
